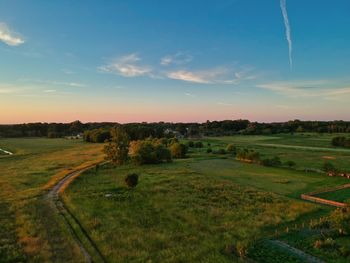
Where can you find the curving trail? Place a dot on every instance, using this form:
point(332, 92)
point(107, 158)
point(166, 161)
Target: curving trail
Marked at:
point(77, 231)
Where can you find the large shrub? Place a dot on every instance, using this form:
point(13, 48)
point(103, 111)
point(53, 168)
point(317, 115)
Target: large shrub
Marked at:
point(178, 150)
point(131, 180)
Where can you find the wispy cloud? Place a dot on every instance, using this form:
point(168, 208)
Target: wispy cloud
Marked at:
point(190, 95)
point(127, 66)
point(219, 75)
point(196, 77)
point(288, 30)
point(49, 91)
point(54, 82)
point(67, 71)
point(306, 88)
point(179, 58)
point(9, 37)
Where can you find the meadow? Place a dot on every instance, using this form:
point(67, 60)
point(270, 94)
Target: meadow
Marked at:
point(208, 207)
point(30, 228)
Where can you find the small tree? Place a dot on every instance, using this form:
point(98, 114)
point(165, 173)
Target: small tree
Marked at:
point(131, 180)
point(117, 149)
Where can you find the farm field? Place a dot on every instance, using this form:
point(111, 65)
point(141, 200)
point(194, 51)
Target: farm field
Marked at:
point(200, 208)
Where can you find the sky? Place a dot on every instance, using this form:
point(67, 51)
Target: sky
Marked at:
point(178, 61)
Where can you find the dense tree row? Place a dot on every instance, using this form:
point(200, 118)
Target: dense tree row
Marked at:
point(139, 131)
point(120, 149)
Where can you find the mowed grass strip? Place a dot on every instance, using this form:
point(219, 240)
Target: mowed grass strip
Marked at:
point(341, 195)
point(175, 213)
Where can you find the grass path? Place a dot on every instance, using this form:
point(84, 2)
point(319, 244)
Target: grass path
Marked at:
point(296, 252)
point(309, 148)
point(85, 243)
point(6, 152)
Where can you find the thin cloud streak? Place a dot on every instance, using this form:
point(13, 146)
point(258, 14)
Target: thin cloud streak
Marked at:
point(9, 37)
point(288, 30)
point(306, 89)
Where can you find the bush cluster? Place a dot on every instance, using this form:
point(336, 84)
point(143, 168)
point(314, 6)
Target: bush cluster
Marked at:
point(197, 144)
point(341, 141)
point(275, 161)
point(248, 155)
point(131, 180)
point(148, 152)
point(97, 135)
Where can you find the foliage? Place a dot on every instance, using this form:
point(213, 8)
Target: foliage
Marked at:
point(329, 167)
point(341, 141)
point(148, 152)
point(231, 148)
point(97, 135)
point(275, 161)
point(178, 150)
point(209, 150)
point(340, 220)
point(248, 155)
point(198, 144)
point(290, 164)
point(191, 144)
point(117, 149)
point(131, 180)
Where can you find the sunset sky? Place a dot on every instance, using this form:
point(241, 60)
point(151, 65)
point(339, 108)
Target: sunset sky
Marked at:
point(184, 60)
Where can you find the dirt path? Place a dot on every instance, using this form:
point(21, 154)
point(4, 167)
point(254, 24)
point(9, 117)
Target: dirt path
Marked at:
point(296, 252)
point(54, 198)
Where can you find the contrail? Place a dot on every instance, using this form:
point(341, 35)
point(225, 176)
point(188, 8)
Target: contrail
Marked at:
point(288, 35)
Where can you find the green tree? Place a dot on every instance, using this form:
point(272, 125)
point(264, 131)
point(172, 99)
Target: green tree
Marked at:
point(118, 147)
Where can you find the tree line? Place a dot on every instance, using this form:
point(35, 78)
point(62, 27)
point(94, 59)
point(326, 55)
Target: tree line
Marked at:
point(167, 129)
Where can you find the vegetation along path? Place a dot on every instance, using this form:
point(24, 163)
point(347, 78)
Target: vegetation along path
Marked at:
point(296, 252)
point(85, 243)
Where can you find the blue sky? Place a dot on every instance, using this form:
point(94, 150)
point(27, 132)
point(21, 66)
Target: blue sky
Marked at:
point(174, 60)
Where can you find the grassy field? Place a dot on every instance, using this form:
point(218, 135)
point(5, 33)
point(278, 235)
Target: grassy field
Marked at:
point(201, 208)
point(30, 230)
point(342, 195)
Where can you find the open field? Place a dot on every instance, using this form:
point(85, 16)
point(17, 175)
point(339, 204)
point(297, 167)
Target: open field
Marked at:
point(201, 207)
point(30, 230)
